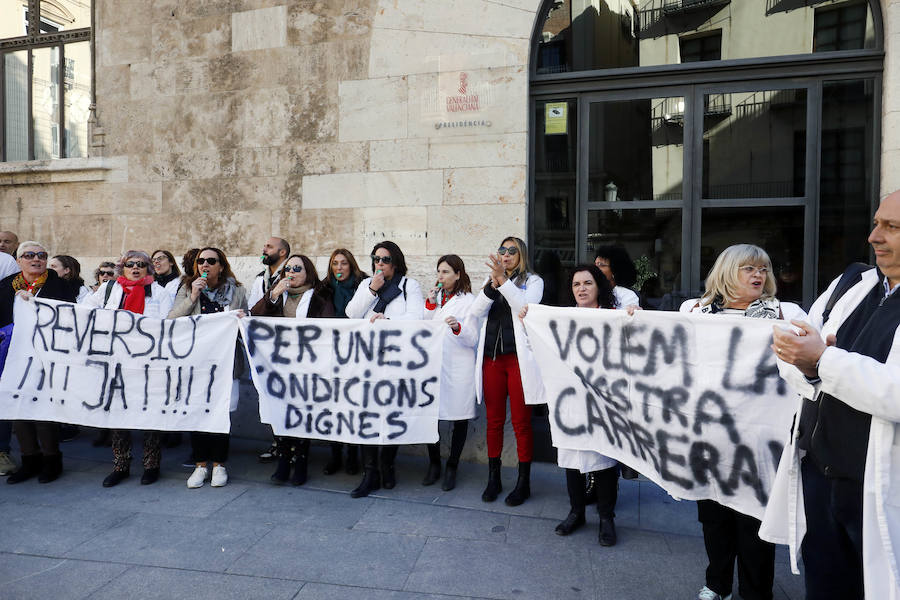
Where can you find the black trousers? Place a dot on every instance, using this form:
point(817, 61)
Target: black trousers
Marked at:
point(607, 483)
point(36, 437)
point(457, 441)
point(730, 535)
point(832, 548)
point(210, 446)
point(370, 456)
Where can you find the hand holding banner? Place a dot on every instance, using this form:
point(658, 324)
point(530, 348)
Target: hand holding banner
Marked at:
point(118, 370)
point(347, 380)
point(693, 402)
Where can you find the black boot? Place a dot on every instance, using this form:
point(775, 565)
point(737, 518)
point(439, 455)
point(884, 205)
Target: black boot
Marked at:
point(116, 477)
point(607, 494)
point(434, 464)
point(336, 461)
point(301, 459)
point(31, 466)
point(575, 487)
point(388, 475)
point(449, 477)
point(351, 467)
point(283, 470)
point(371, 480)
point(494, 487)
point(523, 486)
point(51, 469)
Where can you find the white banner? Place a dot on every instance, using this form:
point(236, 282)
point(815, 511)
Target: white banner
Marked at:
point(118, 370)
point(347, 380)
point(693, 402)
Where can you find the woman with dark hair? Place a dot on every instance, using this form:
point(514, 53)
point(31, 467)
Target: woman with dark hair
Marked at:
point(740, 283)
point(68, 268)
point(617, 266)
point(298, 295)
point(167, 272)
point(211, 288)
point(134, 290)
point(388, 294)
point(344, 277)
point(449, 300)
point(511, 286)
point(38, 440)
point(105, 271)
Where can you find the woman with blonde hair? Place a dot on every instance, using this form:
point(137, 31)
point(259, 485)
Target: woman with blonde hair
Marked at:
point(740, 283)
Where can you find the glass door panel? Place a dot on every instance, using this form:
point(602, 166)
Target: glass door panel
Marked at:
point(636, 150)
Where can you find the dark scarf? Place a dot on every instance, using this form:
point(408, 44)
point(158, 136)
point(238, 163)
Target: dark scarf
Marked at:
point(387, 293)
point(164, 279)
point(343, 292)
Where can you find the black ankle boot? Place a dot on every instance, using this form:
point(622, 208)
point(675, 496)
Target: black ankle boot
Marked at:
point(449, 477)
point(301, 458)
point(351, 467)
point(116, 477)
point(336, 461)
point(523, 486)
point(388, 475)
point(433, 473)
point(494, 487)
point(51, 469)
point(607, 535)
point(371, 482)
point(283, 468)
point(31, 466)
point(571, 523)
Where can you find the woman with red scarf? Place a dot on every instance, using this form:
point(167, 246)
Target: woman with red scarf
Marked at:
point(39, 440)
point(134, 290)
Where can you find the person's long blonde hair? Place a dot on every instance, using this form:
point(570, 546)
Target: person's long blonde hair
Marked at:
point(523, 270)
point(722, 282)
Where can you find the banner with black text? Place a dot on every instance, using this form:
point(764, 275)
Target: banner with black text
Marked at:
point(347, 380)
point(693, 402)
point(118, 370)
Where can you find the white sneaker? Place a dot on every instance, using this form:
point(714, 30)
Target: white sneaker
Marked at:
point(219, 476)
point(7, 466)
point(197, 477)
point(708, 594)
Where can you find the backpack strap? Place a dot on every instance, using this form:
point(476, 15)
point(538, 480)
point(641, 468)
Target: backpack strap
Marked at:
point(851, 276)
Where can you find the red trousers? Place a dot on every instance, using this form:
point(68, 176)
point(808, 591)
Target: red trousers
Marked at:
point(501, 378)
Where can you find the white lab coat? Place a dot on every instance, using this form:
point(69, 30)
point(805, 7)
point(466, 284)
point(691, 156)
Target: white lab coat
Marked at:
point(868, 386)
point(157, 305)
point(457, 362)
point(409, 305)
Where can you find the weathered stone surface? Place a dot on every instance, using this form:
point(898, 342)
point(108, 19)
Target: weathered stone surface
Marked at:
point(485, 185)
point(398, 155)
point(405, 225)
point(175, 38)
point(478, 151)
point(358, 120)
point(124, 45)
point(360, 190)
point(258, 29)
point(317, 159)
point(482, 226)
point(317, 232)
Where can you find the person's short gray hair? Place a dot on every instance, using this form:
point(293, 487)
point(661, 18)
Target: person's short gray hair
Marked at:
point(30, 244)
point(722, 283)
point(139, 254)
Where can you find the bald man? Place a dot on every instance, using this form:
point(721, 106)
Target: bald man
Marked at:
point(846, 446)
point(9, 241)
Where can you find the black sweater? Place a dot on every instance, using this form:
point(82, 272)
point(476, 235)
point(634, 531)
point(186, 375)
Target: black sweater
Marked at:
point(54, 289)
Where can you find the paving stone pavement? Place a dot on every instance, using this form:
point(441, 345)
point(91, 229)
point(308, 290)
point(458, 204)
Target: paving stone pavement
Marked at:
point(74, 539)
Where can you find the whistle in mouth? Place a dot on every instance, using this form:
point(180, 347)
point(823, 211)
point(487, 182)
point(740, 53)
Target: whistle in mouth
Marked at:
point(338, 275)
point(203, 275)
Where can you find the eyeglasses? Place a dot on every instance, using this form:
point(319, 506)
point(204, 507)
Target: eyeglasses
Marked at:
point(135, 263)
point(511, 250)
point(106, 274)
point(159, 259)
point(386, 260)
point(294, 269)
point(209, 261)
point(33, 255)
point(750, 270)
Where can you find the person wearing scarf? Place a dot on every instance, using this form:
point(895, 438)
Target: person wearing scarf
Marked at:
point(38, 440)
point(135, 290)
point(167, 271)
point(388, 294)
point(298, 295)
point(740, 283)
point(211, 288)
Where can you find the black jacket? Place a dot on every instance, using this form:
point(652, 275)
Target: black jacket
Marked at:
point(54, 289)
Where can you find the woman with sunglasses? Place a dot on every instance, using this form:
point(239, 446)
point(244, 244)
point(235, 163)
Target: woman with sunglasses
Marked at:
point(388, 294)
point(511, 286)
point(105, 271)
point(134, 290)
point(211, 288)
point(298, 295)
point(449, 300)
point(38, 440)
point(344, 277)
point(167, 271)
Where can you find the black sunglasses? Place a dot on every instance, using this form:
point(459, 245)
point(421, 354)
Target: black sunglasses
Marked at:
point(382, 259)
point(136, 263)
point(106, 273)
point(512, 250)
point(294, 269)
point(209, 261)
point(33, 255)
